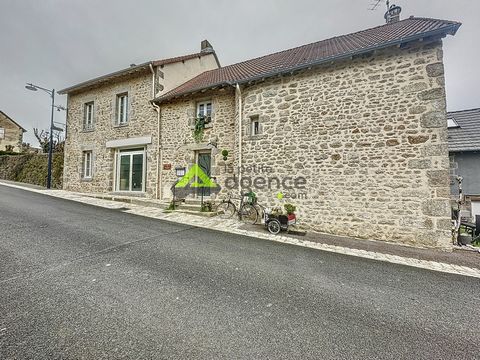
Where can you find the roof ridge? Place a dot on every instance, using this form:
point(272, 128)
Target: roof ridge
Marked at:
point(436, 19)
point(132, 67)
point(180, 57)
point(307, 55)
point(335, 37)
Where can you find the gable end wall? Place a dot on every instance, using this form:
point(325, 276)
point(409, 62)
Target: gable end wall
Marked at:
point(370, 137)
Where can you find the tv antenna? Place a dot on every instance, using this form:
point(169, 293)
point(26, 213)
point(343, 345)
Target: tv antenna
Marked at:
point(376, 3)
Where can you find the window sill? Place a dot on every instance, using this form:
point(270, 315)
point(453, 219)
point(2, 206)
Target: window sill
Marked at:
point(140, 194)
point(88, 130)
point(89, 179)
point(207, 126)
point(256, 137)
point(120, 125)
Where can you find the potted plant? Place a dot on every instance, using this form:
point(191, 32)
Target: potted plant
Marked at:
point(290, 209)
point(199, 128)
point(225, 154)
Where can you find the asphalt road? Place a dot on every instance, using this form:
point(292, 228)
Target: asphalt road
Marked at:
point(80, 282)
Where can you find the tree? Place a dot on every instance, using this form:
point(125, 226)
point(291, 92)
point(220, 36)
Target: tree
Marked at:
point(43, 138)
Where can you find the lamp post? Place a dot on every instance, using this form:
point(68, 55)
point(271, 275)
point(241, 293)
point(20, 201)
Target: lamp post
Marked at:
point(52, 127)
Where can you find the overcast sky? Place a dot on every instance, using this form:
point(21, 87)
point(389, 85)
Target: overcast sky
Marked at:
point(57, 43)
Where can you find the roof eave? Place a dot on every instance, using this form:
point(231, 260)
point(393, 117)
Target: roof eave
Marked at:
point(473, 149)
point(450, 29)
point(97, 80)
point(13, 121)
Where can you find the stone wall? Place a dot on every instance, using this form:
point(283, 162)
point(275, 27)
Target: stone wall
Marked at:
point(179, 146)
point(142, 122)
point(369, 136)
point(13, 135)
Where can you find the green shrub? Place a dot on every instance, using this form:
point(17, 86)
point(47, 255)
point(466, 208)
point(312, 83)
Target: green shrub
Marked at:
point(32, 169)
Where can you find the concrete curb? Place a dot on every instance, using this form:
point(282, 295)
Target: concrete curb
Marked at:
point(232, 226)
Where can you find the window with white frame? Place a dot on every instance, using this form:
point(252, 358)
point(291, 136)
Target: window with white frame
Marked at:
point(204, 110)
point(452, 123)
point(88, 116)
point(87, 165)
point(122, 109)
point(2, 133)
point(255, 125)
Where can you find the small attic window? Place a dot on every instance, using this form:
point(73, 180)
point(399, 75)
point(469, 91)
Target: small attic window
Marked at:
point(451, 123)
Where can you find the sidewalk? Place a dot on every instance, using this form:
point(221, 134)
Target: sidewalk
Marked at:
point(459, 262)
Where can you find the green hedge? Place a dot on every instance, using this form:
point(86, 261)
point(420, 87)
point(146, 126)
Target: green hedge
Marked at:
point(32, 169)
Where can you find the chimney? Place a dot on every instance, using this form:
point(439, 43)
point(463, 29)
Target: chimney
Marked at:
point(205, 46)
point(393, 14)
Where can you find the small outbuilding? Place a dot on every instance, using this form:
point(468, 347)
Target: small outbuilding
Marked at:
point(11, 134)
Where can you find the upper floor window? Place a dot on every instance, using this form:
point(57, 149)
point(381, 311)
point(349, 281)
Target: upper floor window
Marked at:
point(88, 116)
point(254, 125)
point(87, 165)
point(254, 128)
point(122, 108)
point(204, 110)
point(2, 133)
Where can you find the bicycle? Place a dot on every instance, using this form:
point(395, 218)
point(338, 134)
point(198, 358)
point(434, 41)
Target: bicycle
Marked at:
point(246, 210)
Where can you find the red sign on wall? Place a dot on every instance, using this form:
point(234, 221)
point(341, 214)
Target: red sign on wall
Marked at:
point(167, 166)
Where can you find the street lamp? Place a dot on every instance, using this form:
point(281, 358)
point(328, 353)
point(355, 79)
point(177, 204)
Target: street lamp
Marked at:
point(52, 127)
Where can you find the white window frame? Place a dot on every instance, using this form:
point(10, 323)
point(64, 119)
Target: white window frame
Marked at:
point(87, 163)
point(89, 115)
point(130, 152)
point(2, 133)
point(452, 123)
point(205, 106)
point(122, 109)
point(255, 126)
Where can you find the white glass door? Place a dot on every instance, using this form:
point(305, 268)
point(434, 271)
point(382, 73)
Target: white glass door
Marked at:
point(131, 170)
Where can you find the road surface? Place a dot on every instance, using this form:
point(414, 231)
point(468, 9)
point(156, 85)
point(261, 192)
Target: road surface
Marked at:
point(81, 282)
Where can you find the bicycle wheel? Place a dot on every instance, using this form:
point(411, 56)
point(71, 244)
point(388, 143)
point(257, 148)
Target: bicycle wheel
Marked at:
point(274, 226)
point(225, 210)
point(248, 214)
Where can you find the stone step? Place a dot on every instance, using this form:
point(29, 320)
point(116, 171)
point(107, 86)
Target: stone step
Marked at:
point(189, 207)
point(161, 204)
point(191, 212)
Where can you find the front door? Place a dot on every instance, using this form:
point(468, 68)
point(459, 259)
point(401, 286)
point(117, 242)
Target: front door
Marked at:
point(204, 161)
point(130, 170)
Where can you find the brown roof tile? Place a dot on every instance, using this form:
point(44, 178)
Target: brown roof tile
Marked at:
point(316, 53)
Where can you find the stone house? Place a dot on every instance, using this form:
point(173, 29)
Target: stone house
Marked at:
point(11, 134)
point(352, 130)
point(464, 149)
point(112, 128)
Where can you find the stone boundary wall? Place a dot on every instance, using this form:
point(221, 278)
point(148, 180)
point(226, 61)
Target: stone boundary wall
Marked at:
point(32, 169)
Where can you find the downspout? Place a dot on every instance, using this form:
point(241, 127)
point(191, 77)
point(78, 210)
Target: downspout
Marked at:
point(158, 189)
point(239, 92)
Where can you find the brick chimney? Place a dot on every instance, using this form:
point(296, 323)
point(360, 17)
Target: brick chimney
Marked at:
point(205, 46)
point(393, 14)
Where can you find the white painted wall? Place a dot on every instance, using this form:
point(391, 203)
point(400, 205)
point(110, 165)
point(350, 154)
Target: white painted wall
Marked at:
point(180, 72)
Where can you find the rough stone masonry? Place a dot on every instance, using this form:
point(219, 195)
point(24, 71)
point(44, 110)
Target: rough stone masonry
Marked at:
point(368, 134)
